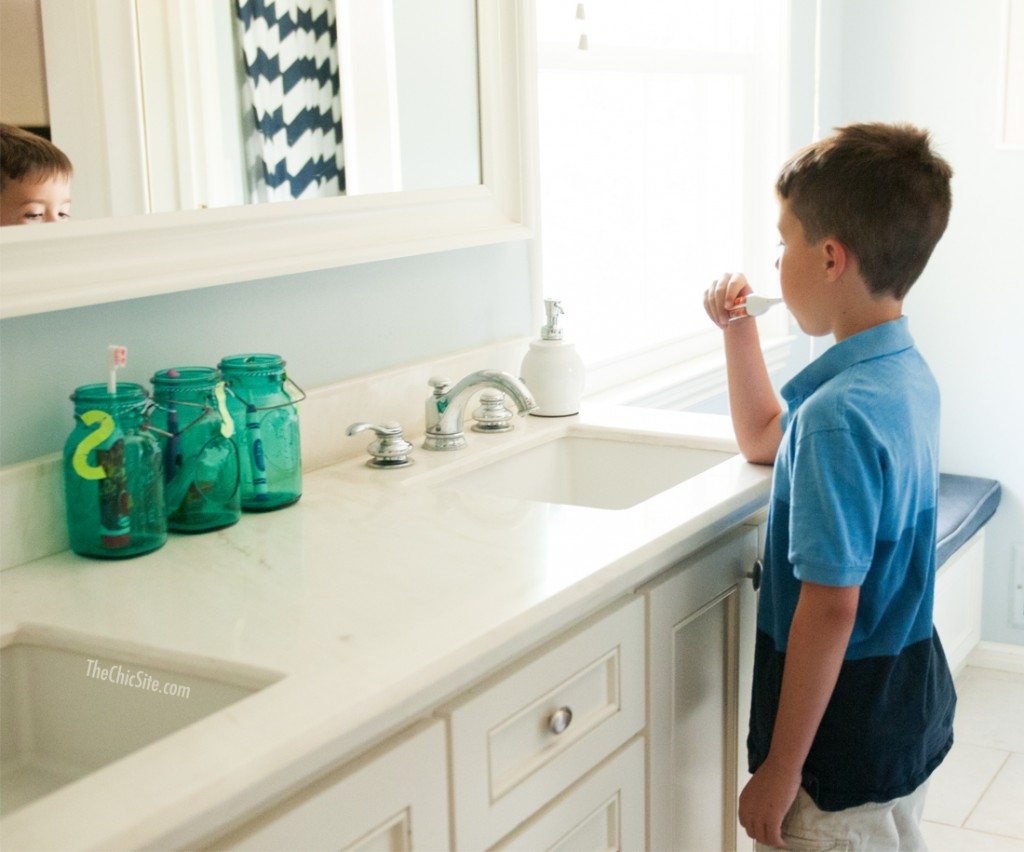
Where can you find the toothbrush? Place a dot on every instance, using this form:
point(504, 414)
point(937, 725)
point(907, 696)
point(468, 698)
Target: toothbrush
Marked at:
point(117, 357)
point(115, 500)
point(172, 451)
point(751, 306)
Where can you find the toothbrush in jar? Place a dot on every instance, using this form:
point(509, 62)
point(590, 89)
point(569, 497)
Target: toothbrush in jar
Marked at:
point(751, 306)
point(115, 498)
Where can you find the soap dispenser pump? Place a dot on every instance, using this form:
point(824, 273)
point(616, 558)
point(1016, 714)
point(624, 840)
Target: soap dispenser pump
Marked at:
point(553, 369)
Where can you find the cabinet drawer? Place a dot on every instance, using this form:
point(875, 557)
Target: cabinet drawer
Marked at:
point(510, 751)
point(393, 799)
point(605, 810)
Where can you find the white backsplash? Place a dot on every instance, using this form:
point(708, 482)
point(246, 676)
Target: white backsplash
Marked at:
point(32, 522)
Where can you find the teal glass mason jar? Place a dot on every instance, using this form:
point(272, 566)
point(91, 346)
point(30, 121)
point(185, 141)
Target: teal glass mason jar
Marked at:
point(113, 474)
point(201, 471)
point(266, 430)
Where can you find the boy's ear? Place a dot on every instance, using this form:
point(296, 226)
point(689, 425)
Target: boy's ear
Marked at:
point(835, 257)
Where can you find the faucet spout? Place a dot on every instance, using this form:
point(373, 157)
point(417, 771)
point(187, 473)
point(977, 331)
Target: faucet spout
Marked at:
point(446, 407)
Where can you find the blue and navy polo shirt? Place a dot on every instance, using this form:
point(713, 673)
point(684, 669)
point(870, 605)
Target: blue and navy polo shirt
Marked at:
point(854, 504)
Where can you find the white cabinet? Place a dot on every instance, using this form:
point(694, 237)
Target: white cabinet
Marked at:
point(626, 732)
point(521, 739)
point(957, 613)
point(604, 810)
point(702, 618)
point(394, 799)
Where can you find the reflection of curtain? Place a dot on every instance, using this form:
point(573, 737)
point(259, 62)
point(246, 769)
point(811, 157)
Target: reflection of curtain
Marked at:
point(292, 94)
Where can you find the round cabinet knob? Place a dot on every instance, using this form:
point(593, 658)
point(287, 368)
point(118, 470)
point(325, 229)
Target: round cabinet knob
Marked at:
point(560, 720)
point(756, 573)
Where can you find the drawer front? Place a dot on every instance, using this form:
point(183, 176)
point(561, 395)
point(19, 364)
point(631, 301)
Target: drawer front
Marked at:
point(521, 741)
point(605, 810)
point(396, 800)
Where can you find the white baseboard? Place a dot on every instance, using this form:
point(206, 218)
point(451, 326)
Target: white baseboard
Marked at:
point(997, 655)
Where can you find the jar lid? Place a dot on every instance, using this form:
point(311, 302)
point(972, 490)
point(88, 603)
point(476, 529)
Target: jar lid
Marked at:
point(252, 364)
point(127, 394)
point(195, 378)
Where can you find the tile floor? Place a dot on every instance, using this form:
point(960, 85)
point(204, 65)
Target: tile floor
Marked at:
point(975, 799)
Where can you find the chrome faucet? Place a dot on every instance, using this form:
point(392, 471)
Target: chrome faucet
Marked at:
point(446, 407)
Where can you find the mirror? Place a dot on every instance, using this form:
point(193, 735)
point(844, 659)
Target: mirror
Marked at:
point(92, 261)
point(170, 105)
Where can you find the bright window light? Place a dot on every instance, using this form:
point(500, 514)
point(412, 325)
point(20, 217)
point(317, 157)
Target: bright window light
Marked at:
point(657, 146)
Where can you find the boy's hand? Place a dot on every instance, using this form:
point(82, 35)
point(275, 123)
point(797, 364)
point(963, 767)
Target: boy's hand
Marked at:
point(765, 801)
point(722, 295)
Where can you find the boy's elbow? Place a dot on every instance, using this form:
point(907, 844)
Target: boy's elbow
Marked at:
point(758, 457)
point(760, 450)
point(760, 445)
point(836, 605)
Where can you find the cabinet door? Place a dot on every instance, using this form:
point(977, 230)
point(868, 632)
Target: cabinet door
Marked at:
point(957, 612)
point(701, 626)
point(394, 800)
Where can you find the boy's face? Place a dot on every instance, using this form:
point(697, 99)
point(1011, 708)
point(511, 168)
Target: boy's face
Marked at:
point(801, 266)
point(35, 199)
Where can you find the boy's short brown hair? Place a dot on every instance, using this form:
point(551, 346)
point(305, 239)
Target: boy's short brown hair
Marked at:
point(23, 153)
point(881, 191)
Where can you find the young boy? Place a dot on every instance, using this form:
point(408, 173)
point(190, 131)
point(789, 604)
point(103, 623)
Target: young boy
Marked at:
point(852, 705)
point(35, 179)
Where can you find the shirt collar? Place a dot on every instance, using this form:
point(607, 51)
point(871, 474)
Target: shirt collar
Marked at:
point(887, 338)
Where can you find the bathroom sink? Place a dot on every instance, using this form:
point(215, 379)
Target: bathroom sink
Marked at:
point(600, 473)
point(68, 710)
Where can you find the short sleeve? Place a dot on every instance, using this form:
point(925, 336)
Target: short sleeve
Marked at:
point(835, 507)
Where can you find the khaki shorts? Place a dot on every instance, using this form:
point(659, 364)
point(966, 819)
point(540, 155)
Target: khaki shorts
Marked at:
point(894, 825)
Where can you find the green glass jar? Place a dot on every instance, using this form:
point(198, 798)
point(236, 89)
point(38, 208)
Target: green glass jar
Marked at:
point(200, 461)
point(266, 430)
point(113, 474)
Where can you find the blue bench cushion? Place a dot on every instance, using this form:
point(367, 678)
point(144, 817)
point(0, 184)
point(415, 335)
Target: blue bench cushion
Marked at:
point(965, 504)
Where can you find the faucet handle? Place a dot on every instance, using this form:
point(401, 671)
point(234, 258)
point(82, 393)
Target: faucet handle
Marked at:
point(492, 416)
point(390, 449)
point(440, 384)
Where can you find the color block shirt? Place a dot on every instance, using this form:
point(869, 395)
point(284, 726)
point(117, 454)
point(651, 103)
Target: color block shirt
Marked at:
point(854, 504)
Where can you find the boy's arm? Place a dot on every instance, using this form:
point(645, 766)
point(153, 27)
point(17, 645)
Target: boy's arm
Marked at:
point(756, 413)
point(818, 638)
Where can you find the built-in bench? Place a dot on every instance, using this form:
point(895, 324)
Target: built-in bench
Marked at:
point(965, 505)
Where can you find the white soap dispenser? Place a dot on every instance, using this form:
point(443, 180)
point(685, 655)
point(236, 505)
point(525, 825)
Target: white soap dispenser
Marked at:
point(553, 369)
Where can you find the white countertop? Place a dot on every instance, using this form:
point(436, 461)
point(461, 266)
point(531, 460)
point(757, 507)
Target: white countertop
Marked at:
point(380, 595)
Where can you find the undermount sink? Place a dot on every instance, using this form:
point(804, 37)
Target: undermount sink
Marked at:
point(599, 473)
point(68, 710)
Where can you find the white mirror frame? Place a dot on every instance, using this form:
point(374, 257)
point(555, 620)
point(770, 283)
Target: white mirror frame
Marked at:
point(69, 265)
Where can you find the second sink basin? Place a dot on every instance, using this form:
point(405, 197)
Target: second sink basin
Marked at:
point(599, 473)
point(69, 709)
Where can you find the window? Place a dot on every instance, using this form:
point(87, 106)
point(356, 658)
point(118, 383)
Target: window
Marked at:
point(658, 150)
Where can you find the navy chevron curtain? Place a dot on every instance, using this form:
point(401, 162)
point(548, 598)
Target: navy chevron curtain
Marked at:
point(292, 94)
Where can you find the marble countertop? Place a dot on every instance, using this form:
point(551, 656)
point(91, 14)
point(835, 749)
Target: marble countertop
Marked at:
point(375, 599)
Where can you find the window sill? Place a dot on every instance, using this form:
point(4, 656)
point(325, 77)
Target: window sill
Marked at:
point(689, 382)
